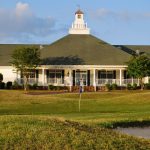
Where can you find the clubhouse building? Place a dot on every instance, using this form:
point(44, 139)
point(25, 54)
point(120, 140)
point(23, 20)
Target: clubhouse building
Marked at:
point(76, 59)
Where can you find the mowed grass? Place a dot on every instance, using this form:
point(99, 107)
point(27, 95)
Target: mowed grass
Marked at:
point(41, 133)
point(33, 121)
point(95, 107)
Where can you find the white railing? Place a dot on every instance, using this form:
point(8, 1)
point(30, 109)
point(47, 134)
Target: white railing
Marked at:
point(55, 81)
point(69, 81)
point(107, 81)
point(124, 82)
point(30, 80)
point(130, 81)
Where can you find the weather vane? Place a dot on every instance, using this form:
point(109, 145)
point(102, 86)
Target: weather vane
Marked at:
point(78, 6)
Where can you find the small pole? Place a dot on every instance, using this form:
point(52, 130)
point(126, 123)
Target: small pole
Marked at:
point(80, 93)
point(79, 102)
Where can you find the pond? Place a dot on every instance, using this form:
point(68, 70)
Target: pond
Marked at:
point(136, 131)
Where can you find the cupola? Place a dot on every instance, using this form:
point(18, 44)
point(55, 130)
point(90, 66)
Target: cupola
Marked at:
point(79, 26)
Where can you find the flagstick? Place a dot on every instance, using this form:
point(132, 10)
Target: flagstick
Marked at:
point(79, 102)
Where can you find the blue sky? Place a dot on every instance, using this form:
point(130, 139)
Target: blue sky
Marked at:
point(45, 21)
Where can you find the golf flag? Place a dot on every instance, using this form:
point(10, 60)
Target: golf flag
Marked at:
point(80, 89)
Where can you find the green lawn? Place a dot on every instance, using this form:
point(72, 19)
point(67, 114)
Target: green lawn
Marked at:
point(95, 107)
point(39, 121)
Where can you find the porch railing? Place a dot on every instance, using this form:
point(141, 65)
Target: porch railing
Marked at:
point(124, 82)
point(107, 81)
point(130, 81)
point(64, 82)
point(30, 80)
point(55, 81)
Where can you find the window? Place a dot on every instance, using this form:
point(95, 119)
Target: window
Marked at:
point(102, 74)
point(55, 73)
point(110, 75)
point(105, 75)
point(55, 76)
point(32, 74)
point(79, 16)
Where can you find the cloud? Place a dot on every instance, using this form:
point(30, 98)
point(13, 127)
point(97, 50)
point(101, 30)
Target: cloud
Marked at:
point(22, 23)
point(104, 14)
point(22, 9)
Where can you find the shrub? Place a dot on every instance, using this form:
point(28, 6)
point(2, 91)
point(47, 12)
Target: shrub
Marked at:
point(42, 87)
point(9, 85)
point(57, 88)
point(147, 86)
point(114, 86)
point(51, 87)
point(108, 87)
point(16, 85)
point(1, 77)
point(129, 86)
point(2, 85)
point(34, 86)
point(134, 87)
point(29, 86)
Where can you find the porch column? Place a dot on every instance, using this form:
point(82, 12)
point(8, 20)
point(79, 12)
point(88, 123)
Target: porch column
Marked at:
point(94, 79)
point(43, 76)
point(120, 77)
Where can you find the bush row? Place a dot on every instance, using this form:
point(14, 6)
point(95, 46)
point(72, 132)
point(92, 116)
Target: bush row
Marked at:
point(15, 85)
point(58, 88)
point(147, 86)
point(111, 87)
point(107, 87)
point(7, 85)
point(132, 87)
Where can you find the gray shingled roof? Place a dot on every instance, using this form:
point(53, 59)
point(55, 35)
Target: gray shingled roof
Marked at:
point(141, 48)
point(6, 51)
point(83, 49)
point(131, 49)
point(73, 50)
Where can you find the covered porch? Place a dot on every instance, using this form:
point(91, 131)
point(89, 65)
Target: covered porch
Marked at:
point(95, 76)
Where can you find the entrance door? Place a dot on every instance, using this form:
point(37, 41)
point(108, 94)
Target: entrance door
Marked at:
point(81, 78)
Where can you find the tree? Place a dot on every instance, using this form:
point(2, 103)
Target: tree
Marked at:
point(25, 59)
point(1, 77)
point(139, 67)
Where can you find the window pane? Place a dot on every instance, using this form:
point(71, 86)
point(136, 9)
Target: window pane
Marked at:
point(52, 75)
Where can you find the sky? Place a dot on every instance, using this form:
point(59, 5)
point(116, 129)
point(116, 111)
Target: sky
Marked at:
point(120, 22)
